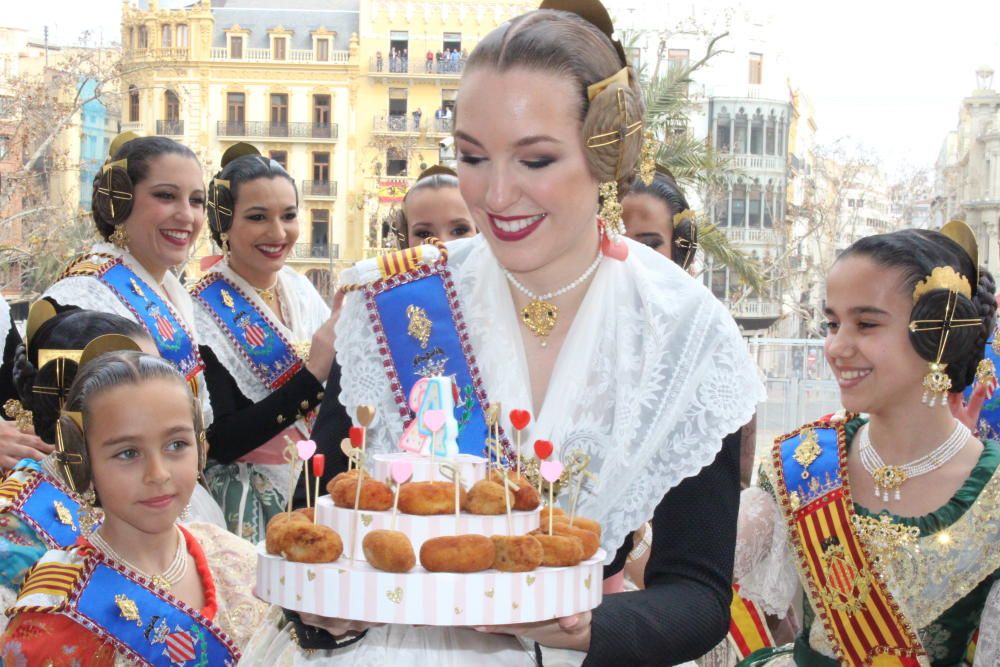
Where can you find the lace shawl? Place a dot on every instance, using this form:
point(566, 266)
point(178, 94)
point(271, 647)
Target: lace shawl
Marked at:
point(302, 306)
point(89, 293)
point(651, 376)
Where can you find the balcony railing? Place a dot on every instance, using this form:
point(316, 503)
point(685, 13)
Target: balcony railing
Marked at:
point(169, 53)
point(319, 189)
point(297, 56)
point(753, 308)
point(401, 123)
point(750, 235)
point(255, 128)
point(415, 66)
point(317, 251)
point(762, 162)
point(132, 126)
point(169, 127)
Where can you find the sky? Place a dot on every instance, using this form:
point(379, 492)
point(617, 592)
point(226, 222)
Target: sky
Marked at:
point(886, 74)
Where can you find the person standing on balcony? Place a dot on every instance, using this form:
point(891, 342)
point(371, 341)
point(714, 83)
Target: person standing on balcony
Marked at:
point(454, 62)
point(429, 65)
point(416, 119)
point(267, 339)
point(378, 61)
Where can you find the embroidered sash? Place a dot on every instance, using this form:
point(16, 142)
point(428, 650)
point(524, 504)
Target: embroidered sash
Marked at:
point(748, 630)
point(863, 623)
point(38, 500)
point(108, 600)
point(418, 325)
point(268, 354)
point(158, 317)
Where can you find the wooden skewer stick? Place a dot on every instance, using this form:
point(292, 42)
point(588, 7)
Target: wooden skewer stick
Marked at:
point(360, 455)
point(291, 454)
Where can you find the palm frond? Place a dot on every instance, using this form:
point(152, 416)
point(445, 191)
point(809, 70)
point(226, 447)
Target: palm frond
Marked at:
point(715, 244)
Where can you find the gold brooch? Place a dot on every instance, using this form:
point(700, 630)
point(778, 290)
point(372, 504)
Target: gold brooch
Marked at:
point(807, 451)
point(128, 609)
point(420, 325)
point(64, 515)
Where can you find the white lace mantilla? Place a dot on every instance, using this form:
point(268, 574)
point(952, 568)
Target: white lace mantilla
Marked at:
point(301, 304)
point(652, 375)
point(89, 293)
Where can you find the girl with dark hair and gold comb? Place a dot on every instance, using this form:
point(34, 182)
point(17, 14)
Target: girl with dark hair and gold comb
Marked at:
point(887, 523)
point(136, 588)
point(266, 338)
point(619, 356)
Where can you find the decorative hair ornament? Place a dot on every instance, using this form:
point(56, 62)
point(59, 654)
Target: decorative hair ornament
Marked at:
point(435, 170)
point(687, 214)
point(68, 459)
point(89, 516)
point(611, 208)
point(962, 234)
point(986, 373)
point(40, 312)
point(220, 206)
point(936, 383)
point(595, 89)
point(943, 277)
point(647, 163)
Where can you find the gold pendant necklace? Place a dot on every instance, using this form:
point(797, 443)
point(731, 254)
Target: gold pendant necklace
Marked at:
point(541, 315)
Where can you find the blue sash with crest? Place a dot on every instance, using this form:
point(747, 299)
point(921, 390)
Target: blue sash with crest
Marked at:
point(160, 631)
point(271, 357)
point(169, 334)
point(420, 333)
point(48, 509)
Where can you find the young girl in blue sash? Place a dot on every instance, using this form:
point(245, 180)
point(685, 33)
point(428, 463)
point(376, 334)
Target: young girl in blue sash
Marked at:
point(266, 339)
point(889, 524)
point(140, 590)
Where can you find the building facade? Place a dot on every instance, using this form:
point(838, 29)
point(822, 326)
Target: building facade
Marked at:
point(967, 172)
point(341, 92)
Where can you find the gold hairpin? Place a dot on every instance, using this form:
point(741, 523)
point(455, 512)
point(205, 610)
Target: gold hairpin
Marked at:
point(936, 383)
point(108, 190)
point(213, 202)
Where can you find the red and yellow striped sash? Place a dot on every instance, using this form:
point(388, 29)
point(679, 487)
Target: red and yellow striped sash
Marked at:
point(50, 579)
point(747, 628)
point(863, 622)
point(397, 263)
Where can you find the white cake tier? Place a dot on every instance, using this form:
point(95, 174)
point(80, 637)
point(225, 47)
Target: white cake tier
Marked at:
point(426, 469)
point(355, 590)
point(419, 528)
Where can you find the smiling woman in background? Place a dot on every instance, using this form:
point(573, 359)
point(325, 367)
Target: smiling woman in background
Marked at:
point(267, 339)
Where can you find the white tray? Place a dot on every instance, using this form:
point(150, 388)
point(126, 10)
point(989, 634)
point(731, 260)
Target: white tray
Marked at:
point(355, 590)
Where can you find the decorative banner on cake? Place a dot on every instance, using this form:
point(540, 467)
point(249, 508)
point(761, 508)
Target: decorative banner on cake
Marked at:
point(421, 333)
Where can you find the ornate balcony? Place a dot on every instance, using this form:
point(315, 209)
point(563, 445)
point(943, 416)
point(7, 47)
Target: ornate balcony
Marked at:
point(319, 189)
point(266, 130)
point(169, 127)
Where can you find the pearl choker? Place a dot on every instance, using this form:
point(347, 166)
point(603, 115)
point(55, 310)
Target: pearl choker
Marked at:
point(890, 478)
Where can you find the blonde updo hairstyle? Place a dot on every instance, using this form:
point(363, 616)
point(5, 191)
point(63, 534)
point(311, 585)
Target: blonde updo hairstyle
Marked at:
point(565, 44)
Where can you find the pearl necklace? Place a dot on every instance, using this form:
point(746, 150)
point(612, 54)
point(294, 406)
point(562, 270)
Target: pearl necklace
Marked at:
point(890, 478)
point(174, 572)
point(540, 314)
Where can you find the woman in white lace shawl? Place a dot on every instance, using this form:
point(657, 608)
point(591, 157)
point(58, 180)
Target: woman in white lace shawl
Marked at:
point(643, 370)
point(266, 340)
point(931, 532)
